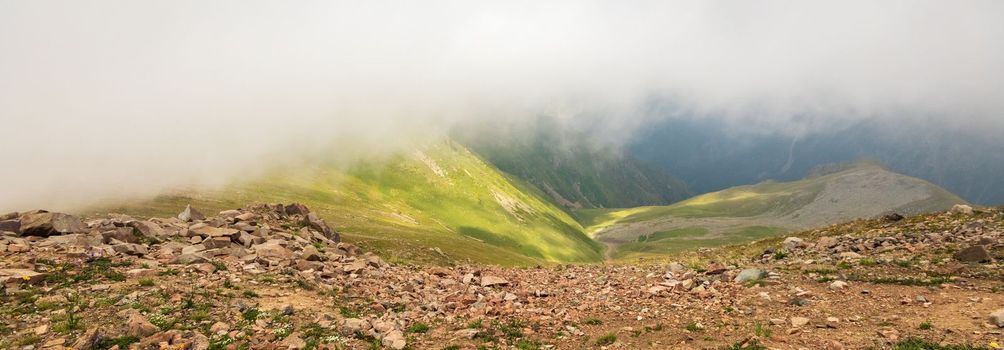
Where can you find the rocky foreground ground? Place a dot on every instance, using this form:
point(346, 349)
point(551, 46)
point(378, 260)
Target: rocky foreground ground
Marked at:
point(276, 277)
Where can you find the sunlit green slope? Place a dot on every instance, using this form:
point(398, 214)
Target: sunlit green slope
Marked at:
point(406, 207)
point(744, 213)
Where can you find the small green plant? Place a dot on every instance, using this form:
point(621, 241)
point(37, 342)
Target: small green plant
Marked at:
point(219, 265)
point(868, 262)
point(303, 284)
point(909, 281)
point(29, 338)
point(348, 312)
point(761, 331)
point(418, 328)
point(925, 326)
point(220, 343)
point(524, 344)
point(162, 321)
point(70, 324)
point(780, 255)
point(694, 327)
point(605, 340)
point(145, 282)
point(593, 321)
point(474, 324)
point(249, 294)
point(921, 344)
point(751, 345)
point(122, 342)
point(251, 314)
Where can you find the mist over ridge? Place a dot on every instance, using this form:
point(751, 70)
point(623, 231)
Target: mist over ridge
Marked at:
point(137, 97)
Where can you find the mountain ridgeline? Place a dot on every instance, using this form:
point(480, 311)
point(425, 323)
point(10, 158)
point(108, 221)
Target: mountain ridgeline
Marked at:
point(440, 203)
point(711, 155)
point(831, 195)
point(574, 172)
point(537, 200)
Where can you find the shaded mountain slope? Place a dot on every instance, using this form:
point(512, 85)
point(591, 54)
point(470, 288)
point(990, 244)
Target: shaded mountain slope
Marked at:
point(573, 170)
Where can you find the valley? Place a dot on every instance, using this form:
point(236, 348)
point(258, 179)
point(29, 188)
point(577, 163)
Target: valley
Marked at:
point(445, 204)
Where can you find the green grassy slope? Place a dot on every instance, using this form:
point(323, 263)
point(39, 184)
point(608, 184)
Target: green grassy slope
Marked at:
point(687, 239)
point(751, 212)
point(767, 198)
point(403, 208)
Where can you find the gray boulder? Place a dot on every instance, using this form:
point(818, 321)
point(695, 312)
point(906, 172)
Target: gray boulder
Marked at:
point(997, 318)
point(190, 214)
point(10, 226)
point(315, 222)
point(974, 254)
point(748, 275)
point(43, 223)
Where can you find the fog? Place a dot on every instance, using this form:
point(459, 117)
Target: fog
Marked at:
point(103, 99)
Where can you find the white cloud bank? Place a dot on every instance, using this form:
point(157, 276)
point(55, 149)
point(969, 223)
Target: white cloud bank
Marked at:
point(124, 97)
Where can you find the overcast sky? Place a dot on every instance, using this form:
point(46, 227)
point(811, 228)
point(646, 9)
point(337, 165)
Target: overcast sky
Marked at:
point(103, 98)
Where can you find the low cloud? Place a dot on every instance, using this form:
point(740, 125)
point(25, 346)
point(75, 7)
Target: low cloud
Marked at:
point(103, 98)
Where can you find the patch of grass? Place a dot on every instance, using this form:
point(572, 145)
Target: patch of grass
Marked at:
point(28, 338)
point(251, 314)
point(122, 342)
point(70, 324)
point(921, 344)
point(593, 321)
point(249, 294)
point(219, 265)
point(780, 255)
point(314, 335)
point(694, 327)
point(761, 331)
point(162, 321)
point(474, 325)
point(524, 344)
point(605, 340)
point(418, 327)
point(868, 262)
point(511, 329)
point(689, 239)
point(910, 281)
point(220, 343)
point(145, 282)
point(926, 325)
point(348, 312)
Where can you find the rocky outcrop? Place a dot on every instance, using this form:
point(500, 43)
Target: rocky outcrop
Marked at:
point(43, 223)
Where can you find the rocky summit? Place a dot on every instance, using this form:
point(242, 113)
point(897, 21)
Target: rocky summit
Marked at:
point(272, 276)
